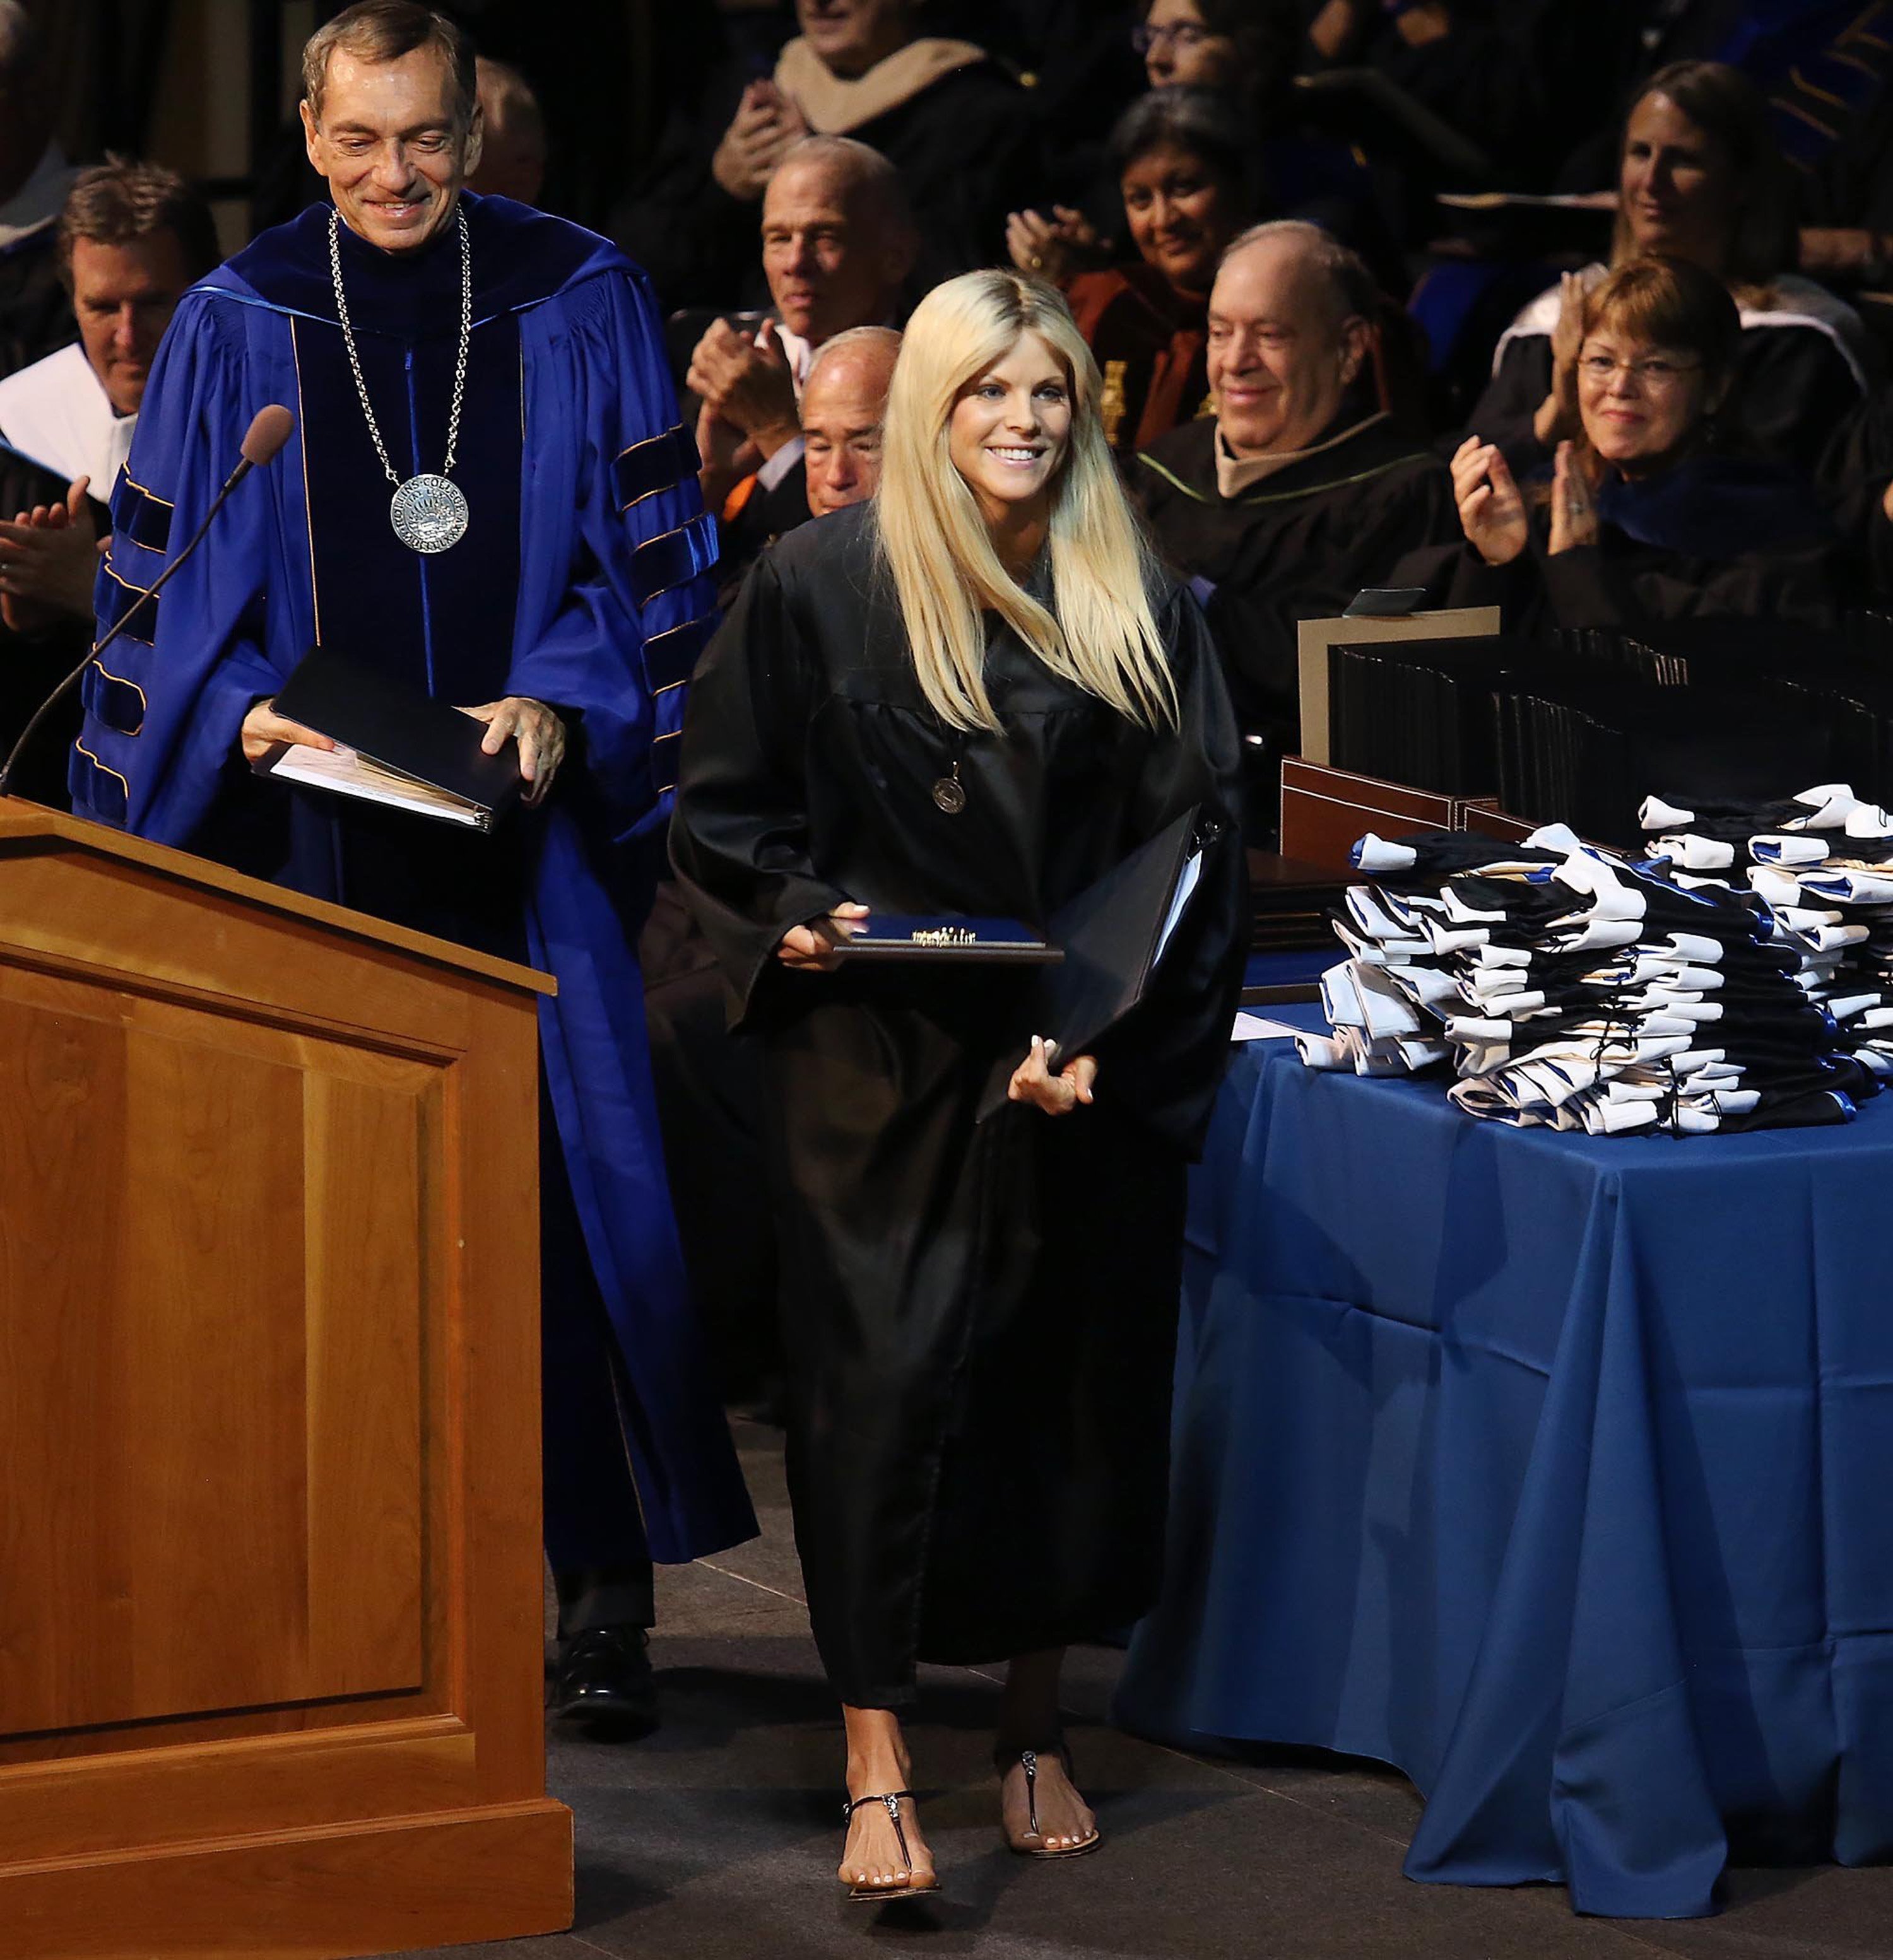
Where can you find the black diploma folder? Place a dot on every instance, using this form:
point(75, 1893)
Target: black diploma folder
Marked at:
point(1112, 934)
point(399, 746)
point(894, 936)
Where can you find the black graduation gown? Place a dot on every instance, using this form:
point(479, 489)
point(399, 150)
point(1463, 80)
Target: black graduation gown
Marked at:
point(32, 664)
point(1793, 389)
point(1854, 476)
point(979, 1318)
point(966, 147)
point(1623, 581)
point(1297, 546)
point(35, 310)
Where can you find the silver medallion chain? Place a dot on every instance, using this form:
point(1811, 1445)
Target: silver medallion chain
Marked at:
point(354, 359)
point(428, 513)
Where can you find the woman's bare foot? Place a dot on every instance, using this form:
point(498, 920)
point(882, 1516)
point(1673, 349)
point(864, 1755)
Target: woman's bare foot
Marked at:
point(1065, 1819)
point(872, 1861)
point(1030, 1722)
point(879, 1765)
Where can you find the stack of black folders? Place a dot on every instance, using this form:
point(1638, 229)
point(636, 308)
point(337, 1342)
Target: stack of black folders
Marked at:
point(1097, 953)
point(1420, 712)
point(397, 745)
point(1570, 728)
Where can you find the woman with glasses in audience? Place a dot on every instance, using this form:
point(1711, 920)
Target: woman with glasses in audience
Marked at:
point(1701, 178)
point(1651, 511)
point(1185, 168)
point(972, 696)
point(1244, 47)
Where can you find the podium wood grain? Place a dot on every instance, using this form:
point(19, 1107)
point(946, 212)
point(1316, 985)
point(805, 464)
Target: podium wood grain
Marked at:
point(269, 1569)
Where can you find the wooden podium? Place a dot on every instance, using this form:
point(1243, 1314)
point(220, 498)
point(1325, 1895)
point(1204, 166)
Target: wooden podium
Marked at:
point(270, 1638)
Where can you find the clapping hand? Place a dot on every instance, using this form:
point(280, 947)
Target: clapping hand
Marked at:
point(49, 558)
point(1557, 414)
point(1491, 509)
point(1573, 512)
point(1051, 248)
point(1058, 1095)
point(766, 123)
point(745, 382)
point(811, 948)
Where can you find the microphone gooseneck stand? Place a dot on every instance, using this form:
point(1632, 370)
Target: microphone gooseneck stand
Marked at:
point(268, 431)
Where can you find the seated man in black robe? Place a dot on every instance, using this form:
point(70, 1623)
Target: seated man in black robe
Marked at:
point(838, 244)
point(955, 124)
point(1303, 488)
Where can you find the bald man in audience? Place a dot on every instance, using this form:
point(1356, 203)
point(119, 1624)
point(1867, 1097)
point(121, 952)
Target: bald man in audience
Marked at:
point(838, 244)
point(844, 402)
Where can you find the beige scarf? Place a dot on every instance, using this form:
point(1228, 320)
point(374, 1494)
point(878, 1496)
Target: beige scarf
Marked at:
point(832, 105)
point(1235, 475)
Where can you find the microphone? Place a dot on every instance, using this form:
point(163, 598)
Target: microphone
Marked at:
point(270, 428)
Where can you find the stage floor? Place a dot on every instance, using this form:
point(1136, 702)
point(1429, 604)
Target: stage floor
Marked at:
point(716, 1839)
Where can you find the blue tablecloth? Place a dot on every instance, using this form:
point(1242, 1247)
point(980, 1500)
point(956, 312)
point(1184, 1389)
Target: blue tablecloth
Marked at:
point(1557, 1473)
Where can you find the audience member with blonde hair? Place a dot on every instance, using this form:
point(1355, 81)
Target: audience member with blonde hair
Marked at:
point(1701, 178)
point(970, 697)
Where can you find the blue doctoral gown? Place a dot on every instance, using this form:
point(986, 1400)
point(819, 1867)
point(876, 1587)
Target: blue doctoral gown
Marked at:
point(583, 581)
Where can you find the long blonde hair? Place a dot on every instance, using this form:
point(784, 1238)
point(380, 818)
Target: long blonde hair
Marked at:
point(936, 544)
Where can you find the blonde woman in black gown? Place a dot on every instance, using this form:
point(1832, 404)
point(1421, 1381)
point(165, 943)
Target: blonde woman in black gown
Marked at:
point(973, 695)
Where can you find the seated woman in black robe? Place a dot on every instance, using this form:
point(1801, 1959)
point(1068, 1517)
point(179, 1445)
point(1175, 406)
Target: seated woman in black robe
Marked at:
point(1700, 177)
point(1648, 515)
point(972, 696)
point(1183, 166)
point(1242, 52)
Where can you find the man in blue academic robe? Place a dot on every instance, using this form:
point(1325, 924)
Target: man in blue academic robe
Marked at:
point(415, 329)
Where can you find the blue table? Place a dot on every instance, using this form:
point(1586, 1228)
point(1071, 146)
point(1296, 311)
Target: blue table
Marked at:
point(1557, 1473)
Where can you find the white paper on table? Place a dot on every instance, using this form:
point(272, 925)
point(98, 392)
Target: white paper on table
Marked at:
point(1254, 1027)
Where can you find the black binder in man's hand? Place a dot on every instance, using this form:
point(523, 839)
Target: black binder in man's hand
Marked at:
point(398, 746)
point(1113, 935)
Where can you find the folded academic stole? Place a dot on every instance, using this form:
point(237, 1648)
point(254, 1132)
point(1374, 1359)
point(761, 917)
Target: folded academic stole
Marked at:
point(1574, 987)
point(1818, 867)
point(398, 746)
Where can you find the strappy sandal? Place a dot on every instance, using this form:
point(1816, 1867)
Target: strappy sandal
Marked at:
point(1027, 1759)
point(891, 1799)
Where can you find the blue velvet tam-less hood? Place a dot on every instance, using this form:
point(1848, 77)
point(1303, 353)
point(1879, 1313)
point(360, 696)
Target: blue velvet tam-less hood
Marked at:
point(521, 257)
point(1716, 508)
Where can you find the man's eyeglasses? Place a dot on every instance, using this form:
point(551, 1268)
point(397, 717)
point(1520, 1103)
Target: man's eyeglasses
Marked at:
point(1182, 36)
point(1655, 372)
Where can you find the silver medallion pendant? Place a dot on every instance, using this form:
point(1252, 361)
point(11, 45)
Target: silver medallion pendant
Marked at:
point(949, 796)
point(429, 514)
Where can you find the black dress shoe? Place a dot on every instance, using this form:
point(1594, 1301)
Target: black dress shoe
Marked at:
point(603, 1678)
